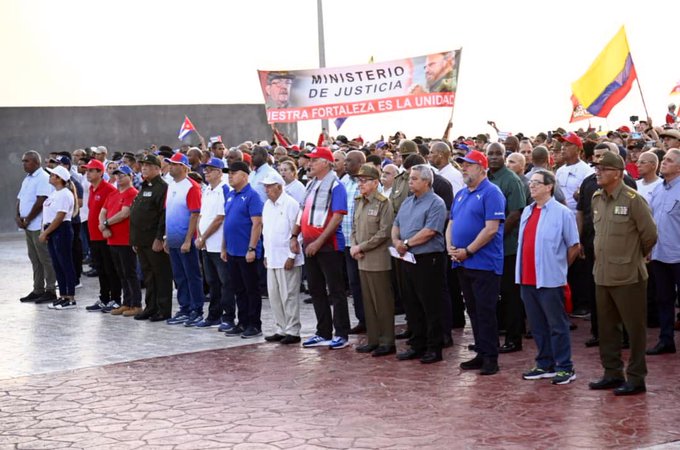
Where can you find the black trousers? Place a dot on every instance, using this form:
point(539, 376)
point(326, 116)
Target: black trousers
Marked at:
point(77, 251)
point(355, 286)
point(246, 283)
point(481, 289)
point(109, 283)
point(666, 276)
point(456, 296)
point(582, 284)
point(325, 270)
point(511, 307)
point(157, 281)
point(125, 263)
point(422, 290)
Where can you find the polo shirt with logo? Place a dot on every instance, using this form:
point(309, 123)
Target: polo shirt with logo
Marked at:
point(182, 200)
point(239, 209)
point(95, 203)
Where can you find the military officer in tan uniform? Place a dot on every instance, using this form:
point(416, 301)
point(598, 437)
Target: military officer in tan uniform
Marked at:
point(624, 236)
point(400, 186)
point(373, 218)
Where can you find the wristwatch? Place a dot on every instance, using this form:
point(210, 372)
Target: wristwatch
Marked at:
point(406, 244)
point(468, 252)
point(106, 223)
point(251, 249)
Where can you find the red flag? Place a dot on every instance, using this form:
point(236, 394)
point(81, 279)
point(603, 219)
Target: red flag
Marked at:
point(676, 89)
point(186, 128)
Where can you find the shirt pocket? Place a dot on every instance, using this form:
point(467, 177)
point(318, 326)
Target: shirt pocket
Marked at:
point(618, 269)
point(672, 206)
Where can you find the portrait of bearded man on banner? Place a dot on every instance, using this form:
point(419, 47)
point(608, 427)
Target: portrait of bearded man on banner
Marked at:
point(440, 74)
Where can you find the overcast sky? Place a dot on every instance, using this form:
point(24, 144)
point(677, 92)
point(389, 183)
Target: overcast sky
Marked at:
point(519, 58)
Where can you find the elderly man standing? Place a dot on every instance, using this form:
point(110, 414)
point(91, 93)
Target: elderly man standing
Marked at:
point(476, 245)
point(625, 234)
point(665, 204)
point(242, 249)
point(147, 233)
point(353, 163)
point(284, 268)
point(548, 243)
point(373, 218)
point(323, 240)
point(183, 205)
point(34, 191)
point(418, 229)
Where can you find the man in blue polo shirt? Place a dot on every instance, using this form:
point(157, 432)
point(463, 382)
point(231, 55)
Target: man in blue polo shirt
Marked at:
point(242, 249)
point(477, 247)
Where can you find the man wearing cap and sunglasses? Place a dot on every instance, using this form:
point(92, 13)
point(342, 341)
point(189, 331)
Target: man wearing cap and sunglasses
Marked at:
point(625, 234)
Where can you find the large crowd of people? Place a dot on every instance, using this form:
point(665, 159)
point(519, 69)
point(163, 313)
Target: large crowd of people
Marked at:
point(521, 232)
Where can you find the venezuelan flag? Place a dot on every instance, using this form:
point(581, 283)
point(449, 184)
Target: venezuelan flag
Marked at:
point(608, 79)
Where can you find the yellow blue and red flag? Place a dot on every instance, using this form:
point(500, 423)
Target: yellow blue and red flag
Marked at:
point(608, 79)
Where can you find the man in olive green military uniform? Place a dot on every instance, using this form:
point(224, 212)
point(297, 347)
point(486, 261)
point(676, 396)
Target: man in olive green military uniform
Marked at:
point(400, 186)
point(624, 235)
point(147, 227)
point(373, 218)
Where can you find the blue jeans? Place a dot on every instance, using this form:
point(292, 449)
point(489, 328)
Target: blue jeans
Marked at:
point(187, 274)
point(666, 277)
point(246, 282)
point(549, 326)
point(60, 246)
point(222, 299)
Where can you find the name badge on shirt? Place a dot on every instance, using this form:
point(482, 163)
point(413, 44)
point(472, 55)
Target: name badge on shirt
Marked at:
point(620, 210)
point(372, 212)
point(147, 194)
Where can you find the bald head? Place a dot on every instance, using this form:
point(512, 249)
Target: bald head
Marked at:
point(353, 162)
point(516, 162)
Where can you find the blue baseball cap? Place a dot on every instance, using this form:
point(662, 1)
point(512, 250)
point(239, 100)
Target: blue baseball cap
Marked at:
point(214, 162)
point(123, 169)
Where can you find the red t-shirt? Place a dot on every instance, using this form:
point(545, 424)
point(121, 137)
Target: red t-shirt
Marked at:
point(96, 203)
point(632, 170)
point(528, 275)
point(120, 232)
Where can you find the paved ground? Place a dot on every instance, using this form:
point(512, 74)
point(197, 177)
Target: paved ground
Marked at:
point(198, 389)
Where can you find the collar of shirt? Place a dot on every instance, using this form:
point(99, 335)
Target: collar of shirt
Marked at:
point(498, 174)
point(668, 185)
point(615, 194)
point(247, 188)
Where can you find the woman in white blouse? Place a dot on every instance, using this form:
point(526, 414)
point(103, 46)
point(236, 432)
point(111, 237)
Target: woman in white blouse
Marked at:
point(293, 186)
point(58, 233)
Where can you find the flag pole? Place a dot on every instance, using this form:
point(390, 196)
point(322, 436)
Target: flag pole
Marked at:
point(637, 81)
point(449, 125)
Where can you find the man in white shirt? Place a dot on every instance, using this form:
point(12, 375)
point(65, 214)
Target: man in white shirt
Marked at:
point(647, 164)
point(284, 268)
point(440, 158)
point(574, 171)
point(34, 191)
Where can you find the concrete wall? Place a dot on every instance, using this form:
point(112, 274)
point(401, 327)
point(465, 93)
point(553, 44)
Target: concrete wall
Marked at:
point(119, 128)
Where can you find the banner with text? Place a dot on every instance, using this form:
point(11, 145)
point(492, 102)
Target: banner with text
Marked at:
point(421, 82)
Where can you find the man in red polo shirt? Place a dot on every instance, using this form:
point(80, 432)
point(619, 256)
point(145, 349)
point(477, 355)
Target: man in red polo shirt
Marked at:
point(109, 284)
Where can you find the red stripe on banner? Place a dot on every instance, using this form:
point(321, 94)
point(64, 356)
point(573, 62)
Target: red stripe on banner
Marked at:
point(401, 103)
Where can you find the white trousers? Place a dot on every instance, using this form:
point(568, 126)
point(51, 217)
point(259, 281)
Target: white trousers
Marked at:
point(284, 297)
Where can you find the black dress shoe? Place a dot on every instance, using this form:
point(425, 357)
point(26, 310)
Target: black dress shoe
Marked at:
point(606, 383)
point(366, 348)
point(473, 364)
point(290, 339)
point(472, 347)
point(91, 273)
point(630, 389)
point(359, 329)
point(661, 348)
point(274, 338)
point(448, 340)
point(406, 334)
point(308, 300)
point(510, 347)
point(158, 318)
point(489, 367)
point(30, 297)
point(47, 297)
point(410, 354)
point(384, 350)
point(593, 342)
point(431, 356)
point(144, 315)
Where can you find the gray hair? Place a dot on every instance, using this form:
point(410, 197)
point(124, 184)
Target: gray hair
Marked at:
point(32, 154)
point(548, 179)
point(425, 173)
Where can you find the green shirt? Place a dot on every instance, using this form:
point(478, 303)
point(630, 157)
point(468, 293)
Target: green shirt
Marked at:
point(515, 200)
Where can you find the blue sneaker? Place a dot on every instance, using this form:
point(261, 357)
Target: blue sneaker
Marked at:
point(235, 331)
point(178, 318)
point(110, 306)
point(316, 341)
point(338, 343)
point(194, 318)
point(251, 332)
point(225, 326)
point(208, 323)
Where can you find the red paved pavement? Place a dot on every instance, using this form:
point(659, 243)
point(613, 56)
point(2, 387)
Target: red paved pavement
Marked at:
point(269, 396)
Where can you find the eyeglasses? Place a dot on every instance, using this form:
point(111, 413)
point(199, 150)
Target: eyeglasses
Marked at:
point(536, 182)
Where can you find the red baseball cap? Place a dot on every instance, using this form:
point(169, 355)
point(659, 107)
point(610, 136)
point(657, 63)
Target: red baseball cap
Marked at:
point(94, 164)
point(247, 158)
point(571, 138)
point(321, 152)
point(474, 157)
point(623, 129)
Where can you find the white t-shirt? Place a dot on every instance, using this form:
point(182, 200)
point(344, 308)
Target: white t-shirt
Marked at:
point(296, 190)
point(454, 177)
point(85, 210)
point(570, 178)
point(646, 189)
point(212, 205)
point(58, 201)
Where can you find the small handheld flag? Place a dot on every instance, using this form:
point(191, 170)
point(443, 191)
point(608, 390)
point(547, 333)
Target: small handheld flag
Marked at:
point(186, 128)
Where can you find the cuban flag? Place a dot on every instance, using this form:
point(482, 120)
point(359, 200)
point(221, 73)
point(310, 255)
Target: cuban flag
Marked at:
point(186, 128)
